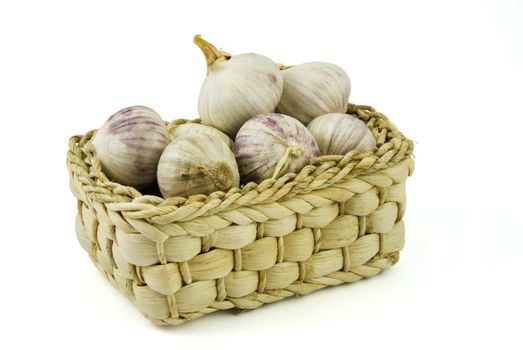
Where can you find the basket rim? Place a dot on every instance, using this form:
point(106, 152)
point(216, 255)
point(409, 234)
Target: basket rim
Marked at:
point(392, 147)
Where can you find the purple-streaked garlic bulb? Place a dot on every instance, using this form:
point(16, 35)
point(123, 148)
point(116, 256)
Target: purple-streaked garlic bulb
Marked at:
point(236, 88)
point(270, 145)
point(130, 144)
point(313, 89)
point(188, 129)
point(197, 164)
point(338, 133)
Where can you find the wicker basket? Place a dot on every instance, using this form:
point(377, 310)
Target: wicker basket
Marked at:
point(338, 220)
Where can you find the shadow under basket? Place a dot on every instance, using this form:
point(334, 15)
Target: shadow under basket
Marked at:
point(338, 220)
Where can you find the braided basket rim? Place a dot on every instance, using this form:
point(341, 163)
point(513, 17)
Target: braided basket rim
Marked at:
point(392, 147)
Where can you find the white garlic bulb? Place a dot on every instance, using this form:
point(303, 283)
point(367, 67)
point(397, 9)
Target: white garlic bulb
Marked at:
point(270, 145)
point(129, 146)
point(338, 133)
point(197, 164)
point(313, 89)
point(188, 129)
point(236, 88)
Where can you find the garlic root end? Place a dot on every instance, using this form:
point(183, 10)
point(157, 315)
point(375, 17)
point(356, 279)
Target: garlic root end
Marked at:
point(220, 174)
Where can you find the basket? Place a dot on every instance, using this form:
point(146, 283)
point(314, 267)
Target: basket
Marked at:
point(338, 220)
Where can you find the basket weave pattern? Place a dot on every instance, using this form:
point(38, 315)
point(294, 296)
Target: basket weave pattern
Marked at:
point(338, 220)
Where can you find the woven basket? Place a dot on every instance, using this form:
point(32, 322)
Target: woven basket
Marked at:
point(338, 220)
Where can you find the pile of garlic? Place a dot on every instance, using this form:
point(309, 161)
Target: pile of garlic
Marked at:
point(279, 118)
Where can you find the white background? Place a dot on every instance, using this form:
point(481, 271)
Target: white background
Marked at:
point(449, 74)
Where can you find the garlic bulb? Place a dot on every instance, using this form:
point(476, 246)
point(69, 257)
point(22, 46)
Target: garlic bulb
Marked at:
point(338, 133)
point(198, 129)
point(236, 88)
point(269, 145)
point(197, 164)
point(129, 146)
point(313, 89)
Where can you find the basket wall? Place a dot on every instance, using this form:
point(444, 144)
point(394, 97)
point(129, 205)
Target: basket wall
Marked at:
point(338, 220)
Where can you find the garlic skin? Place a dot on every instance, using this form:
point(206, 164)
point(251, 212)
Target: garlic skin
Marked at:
point(313, 89)
point(236, 88)
point(338, 134)
point(197, 164)
point(189, 129)
point(129, 145)
point(270, 145)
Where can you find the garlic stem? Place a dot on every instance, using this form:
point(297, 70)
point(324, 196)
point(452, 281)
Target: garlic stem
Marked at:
point(291, 151)
point(283, 67)
point(211, 53)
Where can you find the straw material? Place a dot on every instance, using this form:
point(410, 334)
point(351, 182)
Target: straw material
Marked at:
point(338, 220)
